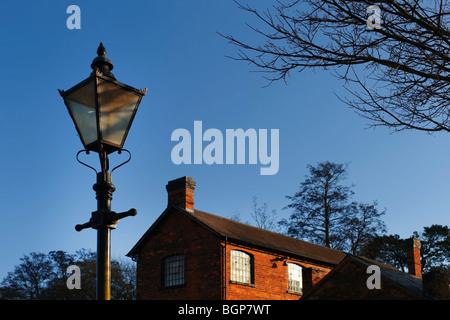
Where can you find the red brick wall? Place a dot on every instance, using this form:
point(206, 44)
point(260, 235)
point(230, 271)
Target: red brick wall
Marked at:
point(180, 235)
point(270, 282)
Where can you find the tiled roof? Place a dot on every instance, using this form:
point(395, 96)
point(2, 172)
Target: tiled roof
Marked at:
point(254, 236)
point(267, 239)
point(408, 282)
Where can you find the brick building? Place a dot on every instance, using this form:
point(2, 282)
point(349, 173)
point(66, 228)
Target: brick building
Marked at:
point(191, 254)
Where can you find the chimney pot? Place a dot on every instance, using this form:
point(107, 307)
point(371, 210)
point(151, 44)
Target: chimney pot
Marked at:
point(181, 193)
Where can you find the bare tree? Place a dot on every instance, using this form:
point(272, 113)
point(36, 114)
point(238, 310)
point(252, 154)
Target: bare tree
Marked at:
point(30, 277)
point(236, 216)
point(43, 277)
point(264, 218)
point(362, 223)
point(401, 69)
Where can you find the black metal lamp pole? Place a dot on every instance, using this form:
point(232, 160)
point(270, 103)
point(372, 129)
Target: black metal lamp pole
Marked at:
point(103, 220)
point(104, 190)
point(102, 110)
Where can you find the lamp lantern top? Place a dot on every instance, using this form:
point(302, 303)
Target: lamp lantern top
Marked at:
point(101, 107)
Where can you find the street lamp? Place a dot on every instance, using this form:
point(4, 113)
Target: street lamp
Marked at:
point(103, 110)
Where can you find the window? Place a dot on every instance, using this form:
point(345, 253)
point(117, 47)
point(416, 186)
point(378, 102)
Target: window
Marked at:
point(241, 267)
point(174, 271)
point(294, 278)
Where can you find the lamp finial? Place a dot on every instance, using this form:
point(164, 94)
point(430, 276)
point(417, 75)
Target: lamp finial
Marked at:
point(102, 63)
point(101, 51)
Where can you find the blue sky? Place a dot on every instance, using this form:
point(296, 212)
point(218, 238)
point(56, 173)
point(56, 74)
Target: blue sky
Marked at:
point(173, 49)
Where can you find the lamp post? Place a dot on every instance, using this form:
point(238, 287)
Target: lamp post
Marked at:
point(103, 110)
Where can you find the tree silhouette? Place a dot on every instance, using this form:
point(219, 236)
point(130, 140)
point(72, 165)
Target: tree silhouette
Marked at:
point(396, 75)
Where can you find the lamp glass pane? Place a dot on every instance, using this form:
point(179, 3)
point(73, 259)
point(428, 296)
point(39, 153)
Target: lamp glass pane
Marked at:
point(82, 107)
point(117, 108)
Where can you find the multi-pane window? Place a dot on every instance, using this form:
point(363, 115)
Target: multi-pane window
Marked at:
point(241, 267)
point(294, 278)
point(174, 271)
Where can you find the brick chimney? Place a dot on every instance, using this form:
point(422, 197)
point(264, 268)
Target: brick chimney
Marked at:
point(181, 192)
point(413, 257)
point(435, 283)
point(310, 277)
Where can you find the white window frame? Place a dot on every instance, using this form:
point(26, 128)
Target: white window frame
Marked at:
point(295, 281)
point(241, 267)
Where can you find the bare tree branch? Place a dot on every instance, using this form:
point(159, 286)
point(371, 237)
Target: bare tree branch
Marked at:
point(401, 71)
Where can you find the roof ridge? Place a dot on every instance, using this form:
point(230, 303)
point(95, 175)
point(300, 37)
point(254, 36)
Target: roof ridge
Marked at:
point(245, 224)
point(381, 264)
